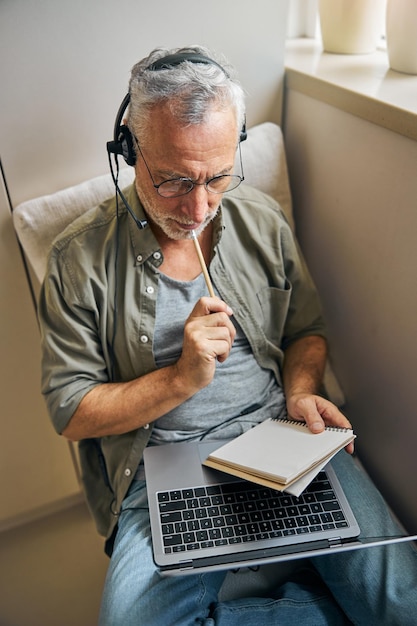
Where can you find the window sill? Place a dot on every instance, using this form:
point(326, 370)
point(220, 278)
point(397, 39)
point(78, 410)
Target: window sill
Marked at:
point(362, 84)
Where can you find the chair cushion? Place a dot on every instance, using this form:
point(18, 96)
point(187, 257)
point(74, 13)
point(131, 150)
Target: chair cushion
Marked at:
point(265, 165)
point(37, 222)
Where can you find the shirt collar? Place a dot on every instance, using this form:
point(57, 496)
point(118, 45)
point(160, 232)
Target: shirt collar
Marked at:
point(144, 243)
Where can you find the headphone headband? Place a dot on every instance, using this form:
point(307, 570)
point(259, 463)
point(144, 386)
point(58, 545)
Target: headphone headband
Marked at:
point(122, 138)
point(172, 60)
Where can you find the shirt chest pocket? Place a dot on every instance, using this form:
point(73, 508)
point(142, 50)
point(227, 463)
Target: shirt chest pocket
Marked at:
point(274, 304)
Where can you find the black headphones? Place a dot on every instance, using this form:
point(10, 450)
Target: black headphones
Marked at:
point(122, 142)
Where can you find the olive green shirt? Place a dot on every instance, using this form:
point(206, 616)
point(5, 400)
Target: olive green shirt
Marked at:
point(97, 314)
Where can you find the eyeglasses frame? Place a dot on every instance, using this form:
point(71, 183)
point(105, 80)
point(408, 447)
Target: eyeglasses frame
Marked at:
point(186, 179)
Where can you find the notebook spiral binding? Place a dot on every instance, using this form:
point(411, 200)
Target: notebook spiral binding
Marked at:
point(299, 423)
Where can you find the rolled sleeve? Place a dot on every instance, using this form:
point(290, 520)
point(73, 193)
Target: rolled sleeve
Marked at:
point(72, 355)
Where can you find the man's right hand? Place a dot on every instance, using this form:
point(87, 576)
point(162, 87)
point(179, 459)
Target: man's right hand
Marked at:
point(208, 337)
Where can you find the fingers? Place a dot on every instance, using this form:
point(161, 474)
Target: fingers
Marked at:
point(208, 337)
point(317, 413)
point(210, 328)
point(211, 335)
point(207, 305)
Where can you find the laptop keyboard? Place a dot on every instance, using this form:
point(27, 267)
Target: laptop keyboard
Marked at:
point(226, 514)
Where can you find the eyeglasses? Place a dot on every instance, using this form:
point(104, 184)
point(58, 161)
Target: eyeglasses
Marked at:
point(175, 187)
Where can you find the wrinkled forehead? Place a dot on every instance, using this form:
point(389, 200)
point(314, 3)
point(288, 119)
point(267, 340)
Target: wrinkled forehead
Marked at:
point(165, 123)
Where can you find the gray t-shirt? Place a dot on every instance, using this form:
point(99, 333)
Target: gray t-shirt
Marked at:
point(241, 393)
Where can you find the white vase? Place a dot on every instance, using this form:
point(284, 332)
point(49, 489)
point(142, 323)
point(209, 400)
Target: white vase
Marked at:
point(401, 33)
point(351, 26)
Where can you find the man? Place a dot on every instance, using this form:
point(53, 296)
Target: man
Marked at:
point(135, 351)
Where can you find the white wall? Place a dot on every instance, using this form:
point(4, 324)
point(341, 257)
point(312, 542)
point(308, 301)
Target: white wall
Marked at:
point(64, 70)
point(66, 67)
point(355, 197)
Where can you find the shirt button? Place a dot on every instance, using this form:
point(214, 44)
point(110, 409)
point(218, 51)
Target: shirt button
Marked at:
point(139, 258)
point(156, 256)
point(128, 471)
point(144, 339)
point(150, 289)
point(146, 427)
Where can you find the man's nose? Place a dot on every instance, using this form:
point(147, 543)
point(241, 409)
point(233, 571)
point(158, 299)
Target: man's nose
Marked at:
point(197, 203)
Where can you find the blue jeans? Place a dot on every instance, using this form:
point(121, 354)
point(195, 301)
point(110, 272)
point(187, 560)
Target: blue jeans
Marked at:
point(374, 586)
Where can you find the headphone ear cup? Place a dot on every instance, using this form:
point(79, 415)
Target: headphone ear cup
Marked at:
point(243, 132)
point(127, 149)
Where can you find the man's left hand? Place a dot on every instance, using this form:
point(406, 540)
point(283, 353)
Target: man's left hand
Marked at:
point(317, 412)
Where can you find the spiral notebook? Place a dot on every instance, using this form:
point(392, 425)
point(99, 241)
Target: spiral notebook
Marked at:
point(278, 453)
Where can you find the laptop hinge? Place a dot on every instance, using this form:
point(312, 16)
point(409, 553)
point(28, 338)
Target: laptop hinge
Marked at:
point(186, 564)
point(335, 542)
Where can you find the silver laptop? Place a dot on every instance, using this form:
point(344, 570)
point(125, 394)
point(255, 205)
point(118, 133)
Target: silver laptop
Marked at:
point(203, 519)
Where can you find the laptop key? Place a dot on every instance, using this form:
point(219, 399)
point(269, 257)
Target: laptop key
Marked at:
point(172, 540)
point(221, 542)
point(165, 507)
point(206, 523)
point(167, 529)
point(292, 511)
point(290, 522)
point(331, 506)
point(201, 535)
point(322, 496)
point(316, 507)
point(213, 490)
point(213, 511)
point(170, 518)
point(180, 548)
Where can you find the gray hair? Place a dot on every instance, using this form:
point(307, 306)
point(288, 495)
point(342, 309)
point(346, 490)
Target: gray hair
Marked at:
point(190, 89)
